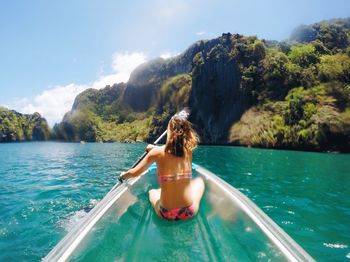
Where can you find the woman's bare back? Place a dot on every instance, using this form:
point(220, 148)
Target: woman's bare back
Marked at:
point(178, 192)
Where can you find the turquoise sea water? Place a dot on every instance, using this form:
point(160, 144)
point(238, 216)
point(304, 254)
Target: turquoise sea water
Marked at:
point(45, 187)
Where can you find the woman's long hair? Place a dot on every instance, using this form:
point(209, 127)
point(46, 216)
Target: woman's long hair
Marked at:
point(182, 138)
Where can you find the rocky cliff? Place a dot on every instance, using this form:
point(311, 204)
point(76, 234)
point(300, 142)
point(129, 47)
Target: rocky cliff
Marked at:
point(145, 81)
point(15, 126)
point(216, 98)
point(292, 87)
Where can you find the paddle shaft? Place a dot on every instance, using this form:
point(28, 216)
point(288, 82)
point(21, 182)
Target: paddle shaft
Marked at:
point(146, 152)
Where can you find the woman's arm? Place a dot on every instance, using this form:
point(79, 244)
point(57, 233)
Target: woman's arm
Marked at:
point(142, 166)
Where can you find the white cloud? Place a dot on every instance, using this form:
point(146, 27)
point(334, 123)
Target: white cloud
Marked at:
point(53, 103)
point(167, 55)
point(201, 33)
point(123, 64)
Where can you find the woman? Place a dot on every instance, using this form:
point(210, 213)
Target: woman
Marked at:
point(179, 196)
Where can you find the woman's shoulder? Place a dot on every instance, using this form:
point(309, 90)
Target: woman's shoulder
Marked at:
point(157, 151)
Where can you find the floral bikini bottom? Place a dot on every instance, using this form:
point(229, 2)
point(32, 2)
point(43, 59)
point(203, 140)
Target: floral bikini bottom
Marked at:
point(181, 213)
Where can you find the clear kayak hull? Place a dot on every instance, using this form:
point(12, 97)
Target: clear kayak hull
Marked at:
point(124, 227)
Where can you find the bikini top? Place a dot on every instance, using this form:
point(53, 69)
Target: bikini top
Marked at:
point(182, 175)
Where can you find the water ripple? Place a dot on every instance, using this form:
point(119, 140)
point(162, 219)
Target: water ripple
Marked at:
point(47, 187)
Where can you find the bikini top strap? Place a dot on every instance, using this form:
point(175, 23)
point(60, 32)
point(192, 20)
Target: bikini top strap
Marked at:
point(177, 176)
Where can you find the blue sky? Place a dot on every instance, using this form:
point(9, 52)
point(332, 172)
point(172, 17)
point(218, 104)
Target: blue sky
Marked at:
point(52, 50)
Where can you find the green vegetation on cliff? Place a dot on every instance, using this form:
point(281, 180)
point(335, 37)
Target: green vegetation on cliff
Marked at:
point(241, 90)
point(333, 34)
point(310, 119)
point(22, 127)
point(304, 99)
point(98, 115)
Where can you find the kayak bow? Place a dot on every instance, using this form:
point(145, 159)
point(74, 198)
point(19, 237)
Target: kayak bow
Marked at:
point(229, 226)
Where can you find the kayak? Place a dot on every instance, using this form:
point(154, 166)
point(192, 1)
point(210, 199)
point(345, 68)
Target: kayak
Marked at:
point(229, 226)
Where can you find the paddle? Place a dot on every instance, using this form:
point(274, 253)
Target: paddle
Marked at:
point(183, 113)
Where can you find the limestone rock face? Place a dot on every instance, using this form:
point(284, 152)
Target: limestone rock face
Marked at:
point(144, 84)
point(216, 100)
point(145, 81)
point(240, 90)
point(91, 96)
